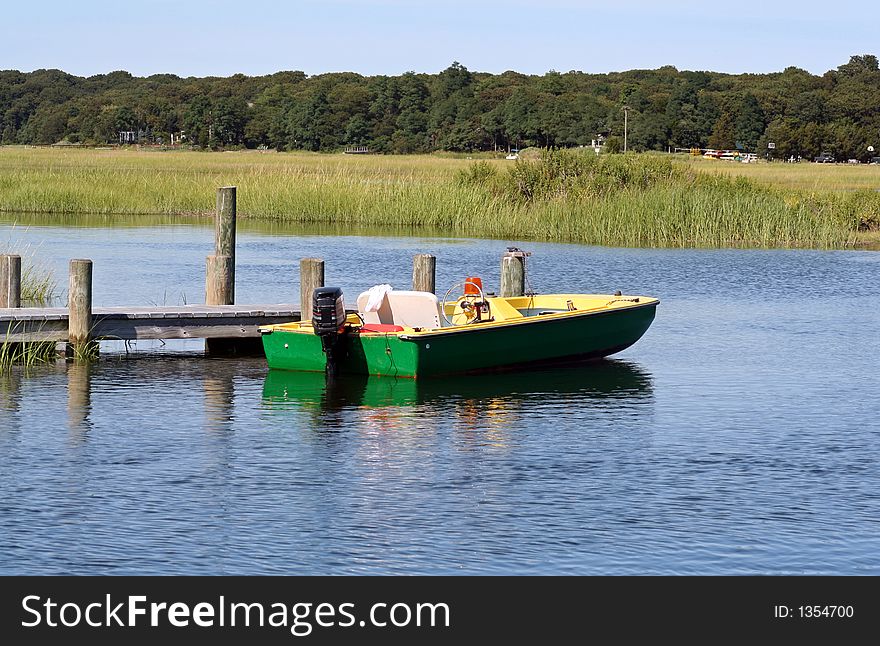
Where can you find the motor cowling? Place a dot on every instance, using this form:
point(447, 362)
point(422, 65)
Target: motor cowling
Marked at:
point(328, 322)
point(328, 311)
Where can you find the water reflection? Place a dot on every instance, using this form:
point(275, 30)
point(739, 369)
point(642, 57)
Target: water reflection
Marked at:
point(467, 414)
point(10, 388)
point(219, 392)
point(10, 403)
point(79, 399)
point(491, 396)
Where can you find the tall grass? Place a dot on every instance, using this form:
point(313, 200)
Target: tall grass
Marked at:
point(37, 284)
point(37, 280)
point(630, 200)
point(37, 288)
point(803, 176)
point(26, 355)
point(653, 201)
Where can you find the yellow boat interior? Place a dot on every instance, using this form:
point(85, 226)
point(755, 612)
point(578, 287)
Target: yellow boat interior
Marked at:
point(421, 313)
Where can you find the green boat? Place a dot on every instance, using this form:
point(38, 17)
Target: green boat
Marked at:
point(412, 334)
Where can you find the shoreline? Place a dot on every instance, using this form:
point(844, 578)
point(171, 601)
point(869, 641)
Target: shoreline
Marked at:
point(642, 201)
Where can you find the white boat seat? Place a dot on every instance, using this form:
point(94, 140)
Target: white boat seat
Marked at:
point(405, 308)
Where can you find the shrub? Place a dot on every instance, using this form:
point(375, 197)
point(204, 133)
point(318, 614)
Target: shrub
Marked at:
point(479, 173)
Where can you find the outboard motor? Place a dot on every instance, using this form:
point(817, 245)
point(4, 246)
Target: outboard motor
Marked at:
point(328, 321)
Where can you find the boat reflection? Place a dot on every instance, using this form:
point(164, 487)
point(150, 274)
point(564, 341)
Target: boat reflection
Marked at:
point(476, 395)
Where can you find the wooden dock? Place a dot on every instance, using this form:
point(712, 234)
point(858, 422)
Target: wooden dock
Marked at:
point(225, 326)
point(24, 325)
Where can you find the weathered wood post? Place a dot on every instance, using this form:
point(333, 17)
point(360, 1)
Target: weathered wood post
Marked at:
point(513, 273)
point(220, 267)
point(224, 233)
point(79, 306)
point(311, 276)
point(10, 280)
point(220, 280)
point(424, 272)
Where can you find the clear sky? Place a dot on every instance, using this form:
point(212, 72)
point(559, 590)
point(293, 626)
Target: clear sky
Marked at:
point(223, 37)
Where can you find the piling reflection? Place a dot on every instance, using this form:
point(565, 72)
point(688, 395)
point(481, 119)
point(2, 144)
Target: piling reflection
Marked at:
point(10, 403)
point(488, 405)
point(219, 392)
point(79, 398)
point(10, 389)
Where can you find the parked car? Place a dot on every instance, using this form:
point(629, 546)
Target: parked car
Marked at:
point(875, 160)
point(824, 158)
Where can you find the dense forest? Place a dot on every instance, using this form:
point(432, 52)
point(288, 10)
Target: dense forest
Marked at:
point(455, 110)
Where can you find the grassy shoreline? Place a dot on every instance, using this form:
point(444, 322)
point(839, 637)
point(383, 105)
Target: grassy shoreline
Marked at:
point(608, 203)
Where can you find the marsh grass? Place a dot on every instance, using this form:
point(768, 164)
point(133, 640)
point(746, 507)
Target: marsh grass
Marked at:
point(84, 352)
point(632, 200)
point(37, 281)
point(803, 176)
point(26, 355)
point(37, 284)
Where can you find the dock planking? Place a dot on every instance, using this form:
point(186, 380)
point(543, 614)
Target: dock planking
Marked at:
point(23, 325)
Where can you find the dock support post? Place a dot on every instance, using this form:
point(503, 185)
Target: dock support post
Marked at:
point(224, 232)
point(220, 267)
point(513, 274)
point(311, 276)
point(79, 305)
point(10, 280)
point(220, 280)
point(220, 290)
point(424, 272)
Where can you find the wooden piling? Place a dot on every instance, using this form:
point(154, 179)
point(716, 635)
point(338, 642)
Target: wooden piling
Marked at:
point(220, 267)
point(10, 280)
point(79, 322)
point(224, 231)
point(311, 276)
point(220, 280)
point(513, 275)
point(424, 272)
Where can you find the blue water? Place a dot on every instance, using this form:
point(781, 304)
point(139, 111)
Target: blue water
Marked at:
point(740, 435)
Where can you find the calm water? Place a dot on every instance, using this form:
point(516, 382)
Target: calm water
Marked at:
point(740, 435)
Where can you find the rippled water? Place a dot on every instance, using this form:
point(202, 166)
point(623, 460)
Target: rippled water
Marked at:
point(740, 435)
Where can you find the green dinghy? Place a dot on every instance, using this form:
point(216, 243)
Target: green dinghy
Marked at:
point(411, 334)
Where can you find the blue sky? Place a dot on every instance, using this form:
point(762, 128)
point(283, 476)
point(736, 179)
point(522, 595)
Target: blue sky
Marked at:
point(222, 37)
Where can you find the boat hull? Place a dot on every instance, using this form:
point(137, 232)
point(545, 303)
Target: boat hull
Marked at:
point(468, 349)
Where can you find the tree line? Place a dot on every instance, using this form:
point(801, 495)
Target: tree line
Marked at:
point(455, 110)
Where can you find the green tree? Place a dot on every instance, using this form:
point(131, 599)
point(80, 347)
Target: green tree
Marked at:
point(456, 109)
point(749, 122)
point(724, 132)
